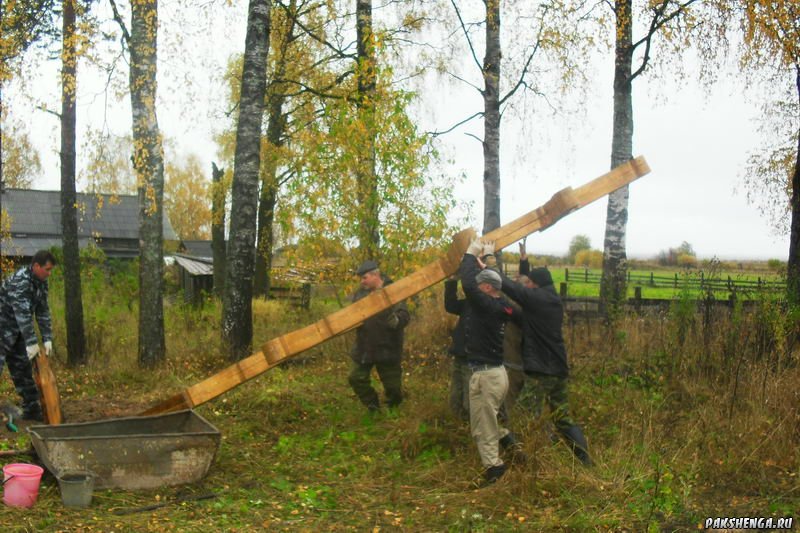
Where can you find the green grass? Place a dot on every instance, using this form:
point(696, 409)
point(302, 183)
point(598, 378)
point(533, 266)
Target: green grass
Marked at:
point(686, 418)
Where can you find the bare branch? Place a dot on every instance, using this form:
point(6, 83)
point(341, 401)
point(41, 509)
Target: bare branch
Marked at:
point(466, 35)
point(451, 128)
point(474, 137)
point(125, 34)
point(459, 78)
point(521, 80)
point(656, 23)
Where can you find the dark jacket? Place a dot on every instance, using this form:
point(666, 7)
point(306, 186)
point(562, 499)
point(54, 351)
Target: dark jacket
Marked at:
point(376, 340)
point(455, 306)
point(486, 318)
point(524, 267)
point(22, 296)
point(543, 347)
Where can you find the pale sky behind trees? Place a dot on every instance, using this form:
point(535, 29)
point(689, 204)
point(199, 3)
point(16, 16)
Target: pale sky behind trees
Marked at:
point(696, 141)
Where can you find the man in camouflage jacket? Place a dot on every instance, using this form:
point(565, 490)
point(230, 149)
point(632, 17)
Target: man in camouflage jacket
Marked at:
point(23, 296)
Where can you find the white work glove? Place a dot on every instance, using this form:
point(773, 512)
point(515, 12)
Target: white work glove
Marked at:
point(488, 248)
point(393, 321)
point(475, 247)
point(48, 347)
point(33, 351)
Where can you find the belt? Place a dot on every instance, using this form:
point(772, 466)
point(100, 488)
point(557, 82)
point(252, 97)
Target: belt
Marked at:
point(479, 368)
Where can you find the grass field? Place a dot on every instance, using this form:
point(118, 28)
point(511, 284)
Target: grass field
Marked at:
point(687, 417)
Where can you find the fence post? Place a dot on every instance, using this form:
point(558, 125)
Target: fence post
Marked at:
point(676, 280)
point(702, 279)
point(637, 297)
point(566, 274)
point(652, 281)
point(730, 284)
point(586, 275)
point(563, 290)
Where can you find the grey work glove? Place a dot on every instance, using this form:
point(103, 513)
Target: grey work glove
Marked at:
point(488, 248)
point(475, 247)
point(48, 347)
point(393, 321)
point(33, 351)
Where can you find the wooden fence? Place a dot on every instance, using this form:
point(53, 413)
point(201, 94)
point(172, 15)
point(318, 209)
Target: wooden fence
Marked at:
point(699, 281)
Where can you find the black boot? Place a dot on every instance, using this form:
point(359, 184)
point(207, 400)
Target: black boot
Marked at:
point(33, 412)
point(493, 473)
point(576, 441)
point(510, 444)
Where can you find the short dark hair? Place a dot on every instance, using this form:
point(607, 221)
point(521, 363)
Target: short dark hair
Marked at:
point(42, 257)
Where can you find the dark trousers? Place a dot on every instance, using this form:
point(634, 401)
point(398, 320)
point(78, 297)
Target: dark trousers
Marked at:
point(19, 366)
point(541, 388)
point(390, 374)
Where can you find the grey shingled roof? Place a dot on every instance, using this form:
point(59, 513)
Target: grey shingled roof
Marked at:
point(194, 265)
point(38, 214)
point(198, 249)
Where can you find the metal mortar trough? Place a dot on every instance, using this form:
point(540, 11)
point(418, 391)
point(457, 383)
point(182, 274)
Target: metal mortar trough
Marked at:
point(131, 453)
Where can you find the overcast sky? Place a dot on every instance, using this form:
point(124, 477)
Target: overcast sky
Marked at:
point(696, 143)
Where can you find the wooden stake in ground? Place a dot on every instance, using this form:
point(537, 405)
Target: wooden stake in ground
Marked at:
point(48, 391)
point(288, 345)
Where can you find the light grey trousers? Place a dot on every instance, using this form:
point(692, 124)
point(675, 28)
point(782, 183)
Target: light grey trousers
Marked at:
point(487, 391)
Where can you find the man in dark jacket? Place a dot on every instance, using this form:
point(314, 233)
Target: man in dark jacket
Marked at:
point(483, 344)
point(379, 343)
point(544, 354)
point(23, 296)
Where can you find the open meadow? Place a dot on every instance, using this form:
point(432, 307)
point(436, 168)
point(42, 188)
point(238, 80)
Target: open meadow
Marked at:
point(689, 414)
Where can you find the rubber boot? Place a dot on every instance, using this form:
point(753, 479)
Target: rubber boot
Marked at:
point(510, 444)
point(576, 440)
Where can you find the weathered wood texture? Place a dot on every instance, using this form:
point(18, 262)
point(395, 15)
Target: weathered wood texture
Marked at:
point(281, 348)
point(48, 391)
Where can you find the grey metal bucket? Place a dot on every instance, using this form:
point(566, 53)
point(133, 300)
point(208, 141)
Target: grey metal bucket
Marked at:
point(76, 488)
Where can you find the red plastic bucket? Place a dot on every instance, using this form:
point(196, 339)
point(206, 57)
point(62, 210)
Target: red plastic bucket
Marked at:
point(21, 484)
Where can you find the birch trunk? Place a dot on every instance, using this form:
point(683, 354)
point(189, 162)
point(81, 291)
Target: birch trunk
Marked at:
point(148, 163)
point(491, 122)
point(793, 266)
point(613, 284)
point(237, 317)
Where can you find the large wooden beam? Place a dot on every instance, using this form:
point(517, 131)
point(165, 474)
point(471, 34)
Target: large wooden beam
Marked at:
point(281, 348)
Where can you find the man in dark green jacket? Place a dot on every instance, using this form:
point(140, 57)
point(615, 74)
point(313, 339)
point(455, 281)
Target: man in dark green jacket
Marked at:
point(23, 296)
point(379, 343)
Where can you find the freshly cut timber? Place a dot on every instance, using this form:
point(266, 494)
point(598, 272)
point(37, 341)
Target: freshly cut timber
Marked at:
point(48, 391)
point(281, 348)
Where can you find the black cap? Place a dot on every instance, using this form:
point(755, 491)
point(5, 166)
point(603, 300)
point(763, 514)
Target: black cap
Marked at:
point(367, 266)
point(541, 277)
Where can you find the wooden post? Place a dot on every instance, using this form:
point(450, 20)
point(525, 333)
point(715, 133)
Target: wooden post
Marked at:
point(586, 276)
point(566, 274)
point(282, 348)
point(563, 290)
point(637, 297)
point(652, 281)
point(676, 280)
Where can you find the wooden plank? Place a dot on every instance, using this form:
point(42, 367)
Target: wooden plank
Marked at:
point(279, 349)
point(48, 390)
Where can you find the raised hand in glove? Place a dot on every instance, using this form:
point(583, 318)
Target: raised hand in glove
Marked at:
point(475, 247)
point(488, 248)
point(393, 321)
point(33, 351)
point(48, 347)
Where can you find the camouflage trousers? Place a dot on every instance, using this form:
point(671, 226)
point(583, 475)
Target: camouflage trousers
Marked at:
point(13, 354)
point(390, 374)
point(459, 388)
point(541, 388)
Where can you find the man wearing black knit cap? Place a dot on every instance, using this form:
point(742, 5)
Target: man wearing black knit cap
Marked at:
point(544, 354)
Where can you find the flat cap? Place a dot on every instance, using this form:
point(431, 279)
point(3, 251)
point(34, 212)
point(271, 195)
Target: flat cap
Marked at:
point(367, 266)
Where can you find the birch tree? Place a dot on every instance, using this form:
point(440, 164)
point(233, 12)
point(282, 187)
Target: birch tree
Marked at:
point(148, 164)
point(237, 319)
point(660, 17)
